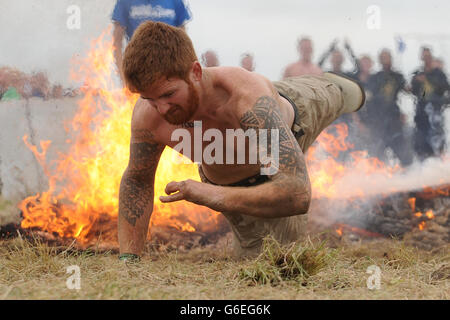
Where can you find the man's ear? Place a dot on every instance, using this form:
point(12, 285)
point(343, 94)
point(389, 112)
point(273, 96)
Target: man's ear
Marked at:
point(196, 71)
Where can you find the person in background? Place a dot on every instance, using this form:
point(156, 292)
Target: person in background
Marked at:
point(337, 58)
point(210, 59)
point(350, 120)
point(439, 64)
point(40, 85)
point(304, 66)
point(129, 14)
point(364, 71)
point(247, 62)
point(3, 85)
point(429, 84)
point(57, 91)
point(382, 116)
point(12, 82)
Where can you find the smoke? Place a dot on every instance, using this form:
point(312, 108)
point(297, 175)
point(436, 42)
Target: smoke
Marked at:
point(35, 35)
point(431, 172)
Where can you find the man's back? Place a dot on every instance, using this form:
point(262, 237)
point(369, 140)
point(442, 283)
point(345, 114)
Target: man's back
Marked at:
point(233, 91)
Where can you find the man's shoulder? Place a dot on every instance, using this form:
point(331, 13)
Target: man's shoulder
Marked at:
point(293, 64)
point(246, 88)
point(144, 116)
point(316, 67)
point(238, 79)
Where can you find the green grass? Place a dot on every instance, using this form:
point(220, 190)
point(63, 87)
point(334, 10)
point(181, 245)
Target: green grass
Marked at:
point(307, 270)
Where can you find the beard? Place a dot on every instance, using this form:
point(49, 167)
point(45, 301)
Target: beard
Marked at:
point(178, 115)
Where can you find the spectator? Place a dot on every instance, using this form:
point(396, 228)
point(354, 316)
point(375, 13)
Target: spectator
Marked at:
point(364, 71)
point(337, 59)
point(429, 85)
point(304, 65)
point(57, 91)
point(40, 86)
point(12, 83)
point(3, 84)
point(439, 64)
point(247, 62)
point(382, 116)
point(351, 121)
point(210, 59)
point(129, 14)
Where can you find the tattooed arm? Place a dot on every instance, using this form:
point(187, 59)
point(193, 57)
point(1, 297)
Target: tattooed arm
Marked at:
point(137, 190)
point(288, 191)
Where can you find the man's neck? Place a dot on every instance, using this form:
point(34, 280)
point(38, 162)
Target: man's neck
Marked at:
point(305, 61)
point(209, 99)
point(427, 67)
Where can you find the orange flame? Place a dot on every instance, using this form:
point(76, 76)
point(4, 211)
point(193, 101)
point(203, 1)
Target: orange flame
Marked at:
point(326, 172)
point(83, 189)
point(412, 203)
point(429, 214)
point(82, 199)
point(422, 225)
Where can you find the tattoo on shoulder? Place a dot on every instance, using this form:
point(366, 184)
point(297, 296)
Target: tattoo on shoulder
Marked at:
point(265, 114)
point(142, 135)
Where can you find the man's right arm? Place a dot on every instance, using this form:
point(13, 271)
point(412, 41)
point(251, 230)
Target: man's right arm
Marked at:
point(137, 191)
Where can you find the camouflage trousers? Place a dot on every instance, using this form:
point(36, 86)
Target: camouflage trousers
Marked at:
point(319, 102)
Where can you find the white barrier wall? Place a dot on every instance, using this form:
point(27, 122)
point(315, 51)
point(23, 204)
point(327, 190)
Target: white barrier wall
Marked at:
point(20, 172)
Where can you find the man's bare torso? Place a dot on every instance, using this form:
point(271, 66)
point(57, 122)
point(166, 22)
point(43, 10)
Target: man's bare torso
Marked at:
point(301, 68)
point(233, 90)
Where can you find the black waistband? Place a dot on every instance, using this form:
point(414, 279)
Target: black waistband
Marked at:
point(247, 182)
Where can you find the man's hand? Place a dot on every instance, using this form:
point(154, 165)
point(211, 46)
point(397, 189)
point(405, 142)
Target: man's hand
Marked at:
point(420, 78)
point(192, 191)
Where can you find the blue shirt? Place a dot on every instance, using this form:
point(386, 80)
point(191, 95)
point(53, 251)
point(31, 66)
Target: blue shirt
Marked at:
point(131, 13)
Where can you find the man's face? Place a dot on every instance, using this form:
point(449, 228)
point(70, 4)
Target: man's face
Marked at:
point(427, 57)
point(211, 59)
point(366, 64)
point(337, 59)
point(176, 100)
point(385, 59)
point(247, 63)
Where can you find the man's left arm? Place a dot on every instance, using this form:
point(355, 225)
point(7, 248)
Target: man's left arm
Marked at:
point(288, 191)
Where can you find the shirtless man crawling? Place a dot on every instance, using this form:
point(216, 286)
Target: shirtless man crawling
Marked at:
point(161, 65)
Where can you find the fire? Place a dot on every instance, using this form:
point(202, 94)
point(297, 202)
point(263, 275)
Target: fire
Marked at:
point(82, 198)
point(412, 203)
point(429, 214)
point(429, 192)
point(422, 225)
point(331, 178)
